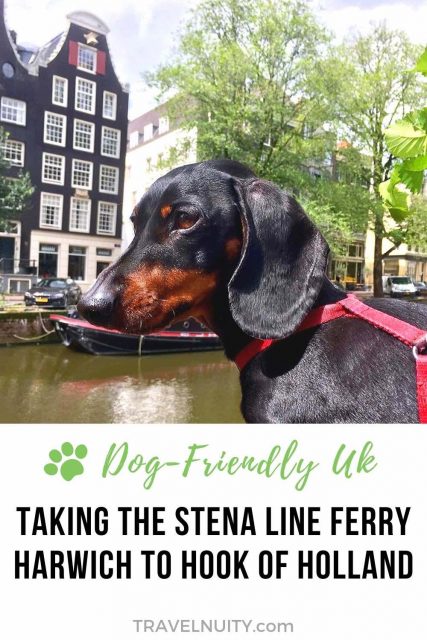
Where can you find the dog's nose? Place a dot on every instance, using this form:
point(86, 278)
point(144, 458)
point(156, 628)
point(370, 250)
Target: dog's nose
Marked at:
point(97, 306)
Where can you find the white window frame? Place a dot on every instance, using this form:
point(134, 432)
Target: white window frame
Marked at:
point(64, 103)
point(23, 279)
point(110, 155)
point(47, 181)
point(17, 144)
point(114, 224)
point(19, 105)
point(64, 129)
point(79, 186)
point(134, 139)
point(116, 186)
point(76, 95)
point(163, 124)
point(148, 132)
point(43, 225)
point(85, 47)
point(92, 125)
point(75, 229)
point(85, 254)
point(104, 115)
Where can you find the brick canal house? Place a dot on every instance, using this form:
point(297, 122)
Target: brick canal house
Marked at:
point(66, 115)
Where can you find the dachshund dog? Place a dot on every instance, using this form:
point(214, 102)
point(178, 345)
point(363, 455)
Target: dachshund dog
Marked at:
point(214, 242)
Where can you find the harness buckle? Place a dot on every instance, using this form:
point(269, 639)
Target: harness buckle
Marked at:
point(420, 346)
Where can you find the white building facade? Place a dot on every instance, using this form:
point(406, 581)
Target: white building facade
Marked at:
point(151, 141)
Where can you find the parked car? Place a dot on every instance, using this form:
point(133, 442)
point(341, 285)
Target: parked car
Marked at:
point(398, 286)
point(53, 292)
point(356, 286)
point(421, 288)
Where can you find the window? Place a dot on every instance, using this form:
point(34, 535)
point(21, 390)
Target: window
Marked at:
point(8, 70)
point(48, 260)
point(86, 58)
point(163, 124)
point(76, 262)
point(109, 106)
point(81, 176)
point(51, 210)
point(85, 95)
point(134, 139)
point(355, 250)
point(55, 127)
point(13, 151)
point(53, 168)
point(101, 251)
point(107, 212)
point(84, 135)
point(103, 264)
point(110, 144)
point(148, 131)
point(108, 179)
point(11, 226)
point(20, 286)
point(59, 91)
point(13, 111)
point(100, 266)
point(80, 215)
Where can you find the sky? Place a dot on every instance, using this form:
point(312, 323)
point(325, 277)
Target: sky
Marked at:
point(143, 33)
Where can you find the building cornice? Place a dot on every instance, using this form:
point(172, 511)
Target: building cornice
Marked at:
point(88, 21)
point(416, 257)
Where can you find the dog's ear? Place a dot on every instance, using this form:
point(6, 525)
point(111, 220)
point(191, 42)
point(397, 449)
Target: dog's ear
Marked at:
point(282, 264)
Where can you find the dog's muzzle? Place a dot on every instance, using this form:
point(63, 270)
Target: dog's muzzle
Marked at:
point(98, 304)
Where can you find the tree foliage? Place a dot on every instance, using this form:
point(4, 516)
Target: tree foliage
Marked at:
point(371, 84)
point(14, 192)
point(407, 141)
point(262, 83)
point(243, 76)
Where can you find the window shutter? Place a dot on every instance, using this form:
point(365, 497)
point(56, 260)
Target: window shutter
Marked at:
point(100, 62)
point(72, 53)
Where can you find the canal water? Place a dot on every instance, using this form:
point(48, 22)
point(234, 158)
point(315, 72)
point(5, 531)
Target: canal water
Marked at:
point(49, 383)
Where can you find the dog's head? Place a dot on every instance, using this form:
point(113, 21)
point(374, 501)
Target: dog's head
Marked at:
point(207, 226)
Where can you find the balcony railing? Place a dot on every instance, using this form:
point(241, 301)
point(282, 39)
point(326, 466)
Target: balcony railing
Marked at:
point(24, 267)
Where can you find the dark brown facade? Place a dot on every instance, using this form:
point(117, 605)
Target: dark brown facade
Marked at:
point(66, 114)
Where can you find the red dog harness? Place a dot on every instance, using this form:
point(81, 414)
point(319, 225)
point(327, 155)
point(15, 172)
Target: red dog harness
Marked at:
point(351, 307)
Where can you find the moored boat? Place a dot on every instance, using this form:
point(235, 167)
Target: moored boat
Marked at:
point(80, 335)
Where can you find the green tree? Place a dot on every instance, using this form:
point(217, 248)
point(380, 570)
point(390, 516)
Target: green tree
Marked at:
point(407, 140)
point(248, 76)
point(260, 82)
point(416, 232)
point(371, 83)
point(244, 77)
point(14, 192)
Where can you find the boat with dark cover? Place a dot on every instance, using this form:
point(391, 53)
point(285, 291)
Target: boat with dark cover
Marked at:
point(80, 335)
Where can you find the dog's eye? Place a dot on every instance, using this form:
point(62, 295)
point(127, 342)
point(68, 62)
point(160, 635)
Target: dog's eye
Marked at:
point(186, 219)
point(133, 220)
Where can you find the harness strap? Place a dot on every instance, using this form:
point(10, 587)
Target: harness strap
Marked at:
point(318, 316)
point(399, 329)
point(422, 388)
point(351, 307)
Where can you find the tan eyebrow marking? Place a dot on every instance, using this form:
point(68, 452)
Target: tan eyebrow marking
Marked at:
point(165, 211)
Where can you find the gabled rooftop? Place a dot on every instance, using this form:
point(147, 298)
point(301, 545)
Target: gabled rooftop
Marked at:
point(88, 21)
point(33, 56)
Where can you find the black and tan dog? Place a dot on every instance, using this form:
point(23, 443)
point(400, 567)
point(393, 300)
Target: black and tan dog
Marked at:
point(214, 242)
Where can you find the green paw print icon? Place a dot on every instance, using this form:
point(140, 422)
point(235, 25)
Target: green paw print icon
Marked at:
point(67, 461)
